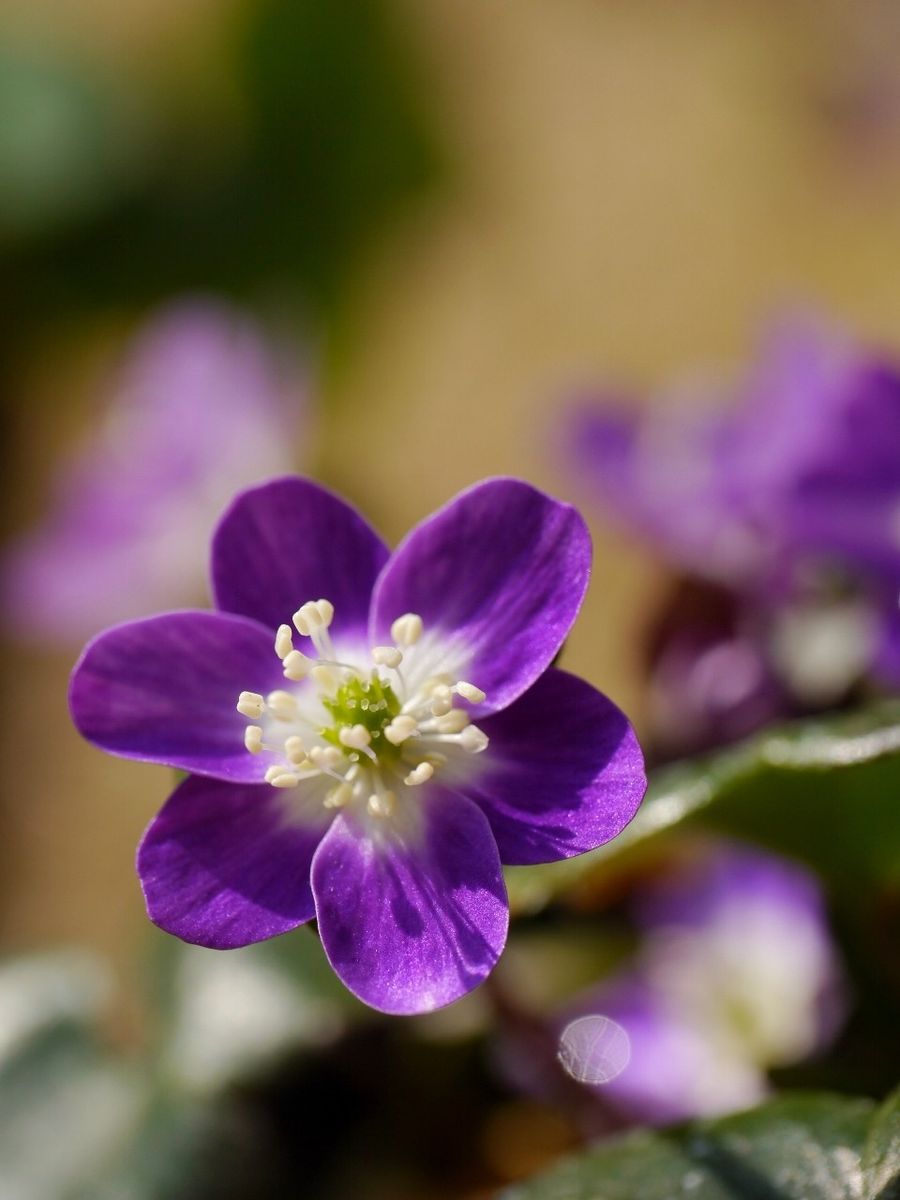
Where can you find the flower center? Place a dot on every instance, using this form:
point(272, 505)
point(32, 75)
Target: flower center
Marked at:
point(368, 732)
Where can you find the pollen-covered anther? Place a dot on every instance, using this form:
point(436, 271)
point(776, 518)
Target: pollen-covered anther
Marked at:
point(400, 729)
point(355, 737)
point(294, 749)
point(297, 666)
point(253, 738)
point(324, 677)
point(325, 757)
point(339, 796)
point(470, 692)
point(441, 700)
point(286, 780)
point(280, 776)
point(473, 740)
point(251, 704)
point(284, 641)
point(312, 616)
point(419, 774)
point(387, 656)
point(381, 804)
point(282, 705)
point(455, 721)
point(407, 630)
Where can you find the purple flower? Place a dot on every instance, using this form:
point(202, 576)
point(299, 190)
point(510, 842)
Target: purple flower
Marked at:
point(806, 462)
point(790, 499)
point(737, 974)
point(375, 775)
point(200, 409)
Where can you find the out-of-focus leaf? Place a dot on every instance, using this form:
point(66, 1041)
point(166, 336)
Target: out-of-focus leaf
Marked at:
point(64, 1108)
point(338, 128)
point(826, 791)
point(334, 141)
point(67, 143)
point(798, 1147)
point(881, 1154)
point(186, 1150)
point(39, 992)
point(224, 1018)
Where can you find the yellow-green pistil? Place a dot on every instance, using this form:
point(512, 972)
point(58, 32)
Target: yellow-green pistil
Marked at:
point(371, 703)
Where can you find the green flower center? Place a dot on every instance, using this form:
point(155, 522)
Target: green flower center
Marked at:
point(371, 703)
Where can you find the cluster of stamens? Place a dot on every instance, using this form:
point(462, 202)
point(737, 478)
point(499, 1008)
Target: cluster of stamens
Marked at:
point(364, 728)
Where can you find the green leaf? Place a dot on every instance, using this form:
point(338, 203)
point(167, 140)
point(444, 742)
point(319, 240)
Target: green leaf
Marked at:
point(881, 1155)
point(65, 1105)
point(824, 791)
point(797, 1147)
point(68, 144)
point(227, 1017)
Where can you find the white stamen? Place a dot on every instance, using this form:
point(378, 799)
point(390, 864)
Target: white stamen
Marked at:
point(420, 774)
point(325, 756)
point(473, 740)
point(387, 656)
point(282, 705)
point(287, 780)
point(339, 796)
point(407, 630)
point(251, 704)
point(355, 737)
point(296, 665)
point(294, 749)
point(326, 612)
point(313, 616)
point(348, 754)
point(306, 619)
point(436, 681)
point(381, 804)
point(400, 729)
point(284, 641)
point(455, 721)
point(324, 677)
point(276, 771)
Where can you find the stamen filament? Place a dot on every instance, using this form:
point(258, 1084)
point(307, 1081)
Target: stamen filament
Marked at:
point(370, 731)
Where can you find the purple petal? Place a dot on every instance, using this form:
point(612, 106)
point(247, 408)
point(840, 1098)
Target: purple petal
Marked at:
point(563, 773)
point(225, 865)
point(164, 690)
point(290, 541)
point(500, 572)
point(412, 919)
point(887, 655)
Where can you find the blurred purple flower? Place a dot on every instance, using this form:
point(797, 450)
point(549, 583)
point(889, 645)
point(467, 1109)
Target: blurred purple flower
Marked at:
point(201, 407)
point(359, 794)
point(737, 974)
point(789, 501)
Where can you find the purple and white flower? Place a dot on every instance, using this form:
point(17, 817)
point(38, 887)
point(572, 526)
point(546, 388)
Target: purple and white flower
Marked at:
point(737, 974)
point(405, 736)
point(790, 501)
point(203, 406)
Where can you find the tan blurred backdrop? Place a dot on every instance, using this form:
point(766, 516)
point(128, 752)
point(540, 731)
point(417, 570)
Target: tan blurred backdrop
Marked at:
point(636, 184)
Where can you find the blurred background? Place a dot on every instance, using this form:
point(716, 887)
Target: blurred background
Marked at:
point(386, 244)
